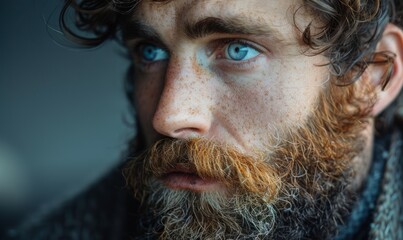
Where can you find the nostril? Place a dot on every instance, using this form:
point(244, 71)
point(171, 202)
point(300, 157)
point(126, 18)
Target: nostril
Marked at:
point(189, 129)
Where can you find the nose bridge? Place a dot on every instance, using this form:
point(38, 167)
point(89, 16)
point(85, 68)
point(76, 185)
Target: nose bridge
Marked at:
point(183, 108)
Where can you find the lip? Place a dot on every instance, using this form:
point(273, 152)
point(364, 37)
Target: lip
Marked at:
point(183, 177)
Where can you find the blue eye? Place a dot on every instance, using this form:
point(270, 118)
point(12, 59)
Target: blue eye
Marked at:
point(240, 52)
point(151, 53)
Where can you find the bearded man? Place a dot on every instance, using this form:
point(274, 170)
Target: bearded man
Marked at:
point(258, 119)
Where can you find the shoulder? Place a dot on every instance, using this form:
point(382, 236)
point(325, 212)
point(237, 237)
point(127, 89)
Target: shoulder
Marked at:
point(100, 212)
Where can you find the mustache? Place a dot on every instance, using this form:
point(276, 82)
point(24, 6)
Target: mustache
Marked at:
point(208, 160)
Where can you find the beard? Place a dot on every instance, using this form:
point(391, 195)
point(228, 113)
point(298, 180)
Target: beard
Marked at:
point(296, 188)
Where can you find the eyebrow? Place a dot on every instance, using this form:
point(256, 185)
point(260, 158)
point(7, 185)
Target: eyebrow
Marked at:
point(138, 29)
point(232, 25)
point(202, 28)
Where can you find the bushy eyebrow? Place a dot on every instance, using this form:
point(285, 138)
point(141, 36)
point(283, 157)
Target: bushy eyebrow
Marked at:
point(230, 25)
point(202, 28)
point(138, 29)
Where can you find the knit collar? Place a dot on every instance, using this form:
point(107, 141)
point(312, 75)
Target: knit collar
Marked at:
point(382, 193)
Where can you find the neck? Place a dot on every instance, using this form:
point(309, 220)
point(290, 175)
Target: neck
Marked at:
point(362, 163)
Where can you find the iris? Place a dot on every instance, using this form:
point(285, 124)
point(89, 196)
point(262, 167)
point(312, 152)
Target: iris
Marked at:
point(240, 52)
point(152, 53)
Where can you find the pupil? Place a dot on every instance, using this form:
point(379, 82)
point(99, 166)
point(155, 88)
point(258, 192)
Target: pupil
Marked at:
point(149, 53)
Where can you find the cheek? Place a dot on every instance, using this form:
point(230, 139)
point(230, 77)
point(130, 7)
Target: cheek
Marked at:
point(294, 91)
point(266, 101)
point(248, 108)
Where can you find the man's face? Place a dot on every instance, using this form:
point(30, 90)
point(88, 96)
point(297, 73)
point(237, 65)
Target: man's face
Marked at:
point(233, 73)
point(235, 86)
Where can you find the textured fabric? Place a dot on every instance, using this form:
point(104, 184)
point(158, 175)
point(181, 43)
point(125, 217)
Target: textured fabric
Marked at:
point(378, 214)
point(357, 224)
point(388, 217)
point(101, 212)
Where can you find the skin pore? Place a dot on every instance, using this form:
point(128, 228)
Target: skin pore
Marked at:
point(252, 137)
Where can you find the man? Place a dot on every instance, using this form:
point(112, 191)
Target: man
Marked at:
point(256, 120)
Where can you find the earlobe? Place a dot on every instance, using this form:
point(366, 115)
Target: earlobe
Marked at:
point(391, 42)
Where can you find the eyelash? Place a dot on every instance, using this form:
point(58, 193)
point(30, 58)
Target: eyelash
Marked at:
point(138, 59)
point(226, 41)
point(221, 44)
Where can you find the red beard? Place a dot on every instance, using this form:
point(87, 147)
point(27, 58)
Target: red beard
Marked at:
point(294, 192)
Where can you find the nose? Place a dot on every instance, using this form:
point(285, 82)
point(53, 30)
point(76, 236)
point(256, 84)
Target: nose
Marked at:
point(183, 109)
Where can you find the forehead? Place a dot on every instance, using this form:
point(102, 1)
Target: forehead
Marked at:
point(174, 15)
point(188, 8)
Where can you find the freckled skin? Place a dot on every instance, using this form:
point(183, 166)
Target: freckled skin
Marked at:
point(199, 96)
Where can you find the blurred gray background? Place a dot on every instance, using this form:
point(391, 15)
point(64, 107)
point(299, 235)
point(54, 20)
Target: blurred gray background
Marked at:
point(62, 109)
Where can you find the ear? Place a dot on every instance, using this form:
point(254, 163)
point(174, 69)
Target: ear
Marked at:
point(391, 41)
